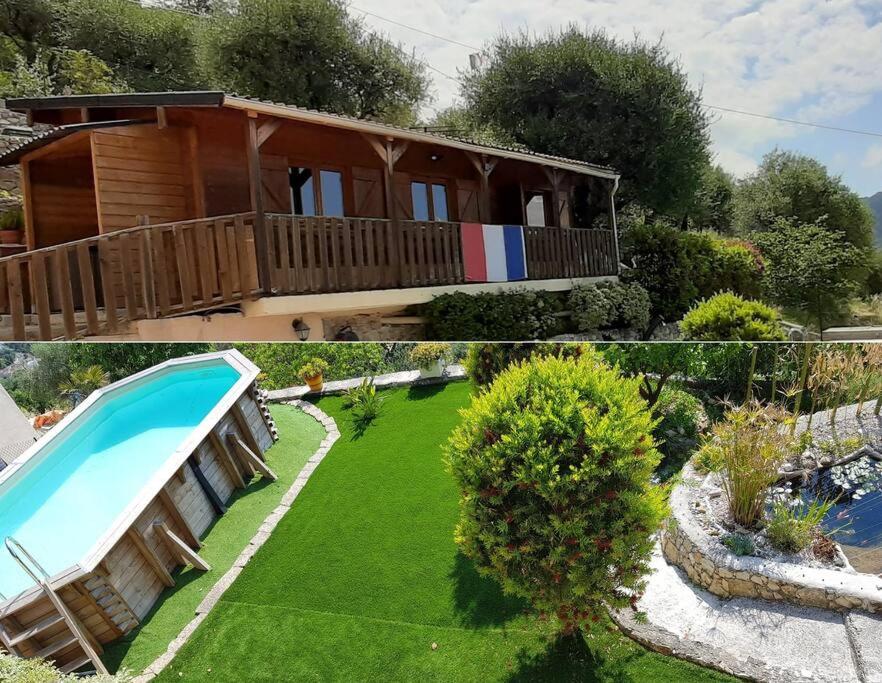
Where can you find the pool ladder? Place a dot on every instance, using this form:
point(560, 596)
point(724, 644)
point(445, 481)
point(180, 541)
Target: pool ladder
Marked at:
point(41, 577)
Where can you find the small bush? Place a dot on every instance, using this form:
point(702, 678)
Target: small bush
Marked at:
point(792, 528)
point(609, 305)
point(728, 317)
point(313, 368)
point(364, 402)
point(12, 219)
point(554, 464)
point(739, 544)
point(425, 355)
point(752, 444)
point(484, 362)
point(505, 316)
point(17, 670)
point(681, 420)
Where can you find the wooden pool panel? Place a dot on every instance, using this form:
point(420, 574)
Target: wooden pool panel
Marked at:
point(111, 600)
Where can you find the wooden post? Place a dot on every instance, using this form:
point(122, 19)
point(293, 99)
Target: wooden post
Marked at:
point(27, 201)
point(249, 456)
point(554, 179)
point(226, 459)
point(484, 166)
point(150, 556)
point(73, 623)
point(261, 241)
point(173, 511)
point(177, 547)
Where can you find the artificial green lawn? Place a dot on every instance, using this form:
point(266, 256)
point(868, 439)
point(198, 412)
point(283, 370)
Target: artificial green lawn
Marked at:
point(362, 576)
point(300, 436)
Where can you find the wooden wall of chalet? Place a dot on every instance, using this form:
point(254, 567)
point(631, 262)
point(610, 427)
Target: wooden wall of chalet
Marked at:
point(62, 194)
point(143, 171)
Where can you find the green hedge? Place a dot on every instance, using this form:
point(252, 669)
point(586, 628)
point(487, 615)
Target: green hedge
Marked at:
point(609, 305)
point(506, 316)
point(678, 268)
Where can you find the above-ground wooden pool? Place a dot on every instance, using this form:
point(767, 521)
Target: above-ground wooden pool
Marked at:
point(96, 515)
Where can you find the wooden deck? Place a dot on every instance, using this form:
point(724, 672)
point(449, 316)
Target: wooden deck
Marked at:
point(95, 285)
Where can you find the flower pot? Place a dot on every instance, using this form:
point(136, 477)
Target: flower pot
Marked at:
point(315, 383)
point(436, 369)
point(10, 236)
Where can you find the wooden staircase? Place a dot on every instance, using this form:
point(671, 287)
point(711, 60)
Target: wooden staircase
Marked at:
point(49, 628)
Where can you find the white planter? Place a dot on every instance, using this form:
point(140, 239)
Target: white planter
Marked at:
point(436, 369)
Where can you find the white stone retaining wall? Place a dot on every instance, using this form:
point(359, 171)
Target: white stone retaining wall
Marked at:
point(687, 544)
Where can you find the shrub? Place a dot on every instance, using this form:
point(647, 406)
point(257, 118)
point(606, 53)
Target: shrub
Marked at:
point(313, 368)
point(484, 362)
point(505, 316)
point(727, 317)
point(364, 402)
point(12, 219)
point(751, 445)
point(424, 355)
point(792, 528)
point(677, 268)
point(609, 305)
point(18, 670)
point(739, 544)
point(681, 420)
point(553, 462)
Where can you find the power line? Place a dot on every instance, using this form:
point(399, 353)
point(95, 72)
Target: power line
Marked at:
point(418, 30)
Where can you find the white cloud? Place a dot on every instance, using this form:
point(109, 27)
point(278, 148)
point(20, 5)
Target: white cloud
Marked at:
point(804, 59)
point(873, 157)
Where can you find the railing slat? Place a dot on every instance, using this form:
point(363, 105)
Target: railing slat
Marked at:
point(40, 289)
point(65, 288)
point(219, 234)
point(233, 261)
point(203, 265)
point(16, 299)
point(183, 263)
point(105, 263)
point(123, 244)
point(84, 261)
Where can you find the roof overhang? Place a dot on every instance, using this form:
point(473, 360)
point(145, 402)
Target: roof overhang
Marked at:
point(14, 155)
point(219, 99)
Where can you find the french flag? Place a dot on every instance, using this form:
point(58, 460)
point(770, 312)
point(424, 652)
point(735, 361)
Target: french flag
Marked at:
point(493, 253)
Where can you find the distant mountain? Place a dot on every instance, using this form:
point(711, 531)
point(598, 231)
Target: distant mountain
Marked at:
point(875, 204)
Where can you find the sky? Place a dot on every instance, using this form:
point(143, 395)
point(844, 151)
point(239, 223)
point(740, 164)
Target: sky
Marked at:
point(810, 60)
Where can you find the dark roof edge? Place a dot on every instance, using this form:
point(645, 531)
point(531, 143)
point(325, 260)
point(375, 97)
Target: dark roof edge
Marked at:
point(207, 98)
point(14, 154)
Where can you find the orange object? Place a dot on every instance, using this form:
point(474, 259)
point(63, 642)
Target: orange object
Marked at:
point(315, 383)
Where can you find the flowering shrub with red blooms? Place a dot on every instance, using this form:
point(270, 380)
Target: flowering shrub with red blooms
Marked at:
point(757, 255)
point(553, 461)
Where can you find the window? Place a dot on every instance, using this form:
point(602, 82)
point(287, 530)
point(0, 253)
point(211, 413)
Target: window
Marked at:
point(536, 212)
point(309, 200)
point(429, 205)
point(332, 193)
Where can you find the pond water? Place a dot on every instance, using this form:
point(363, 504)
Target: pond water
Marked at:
point(855, 520)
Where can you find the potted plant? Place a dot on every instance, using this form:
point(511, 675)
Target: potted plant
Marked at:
point(430, 358)
point(11, 225)
point(313, 373)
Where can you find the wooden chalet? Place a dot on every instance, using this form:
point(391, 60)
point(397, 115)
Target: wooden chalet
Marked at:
point(161, 205)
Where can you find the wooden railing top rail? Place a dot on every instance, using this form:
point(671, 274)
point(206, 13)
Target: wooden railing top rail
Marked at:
point(126, 231)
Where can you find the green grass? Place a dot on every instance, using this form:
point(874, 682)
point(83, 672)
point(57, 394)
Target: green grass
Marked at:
point(300, 437)
point(362, 576)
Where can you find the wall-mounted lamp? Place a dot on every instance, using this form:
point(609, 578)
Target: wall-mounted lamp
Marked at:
point(434, 156)
point(301, 328)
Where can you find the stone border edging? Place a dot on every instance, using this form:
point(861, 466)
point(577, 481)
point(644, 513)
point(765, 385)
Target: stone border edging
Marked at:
point(687, 545)
point(392, 380)
point(263, 533)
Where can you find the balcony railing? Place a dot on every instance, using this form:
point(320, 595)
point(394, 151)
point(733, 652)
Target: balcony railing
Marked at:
point(93, 286)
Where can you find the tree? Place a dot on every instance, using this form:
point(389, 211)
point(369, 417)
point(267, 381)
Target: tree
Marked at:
point(122, 360)
point(28, 24)
point(809, 268)
point(713, 204)
point(799, 189)
point(150, 49)
point(313, 54)
point(654, 364)
point(553, 462)
point(592, 97)
point(85, 380)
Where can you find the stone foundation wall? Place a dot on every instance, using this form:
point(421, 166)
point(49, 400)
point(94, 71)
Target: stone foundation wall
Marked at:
point(686, 544)
point(9, 175)
point(370, 327)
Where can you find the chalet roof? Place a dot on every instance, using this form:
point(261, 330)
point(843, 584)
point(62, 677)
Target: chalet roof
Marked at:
point(13, 154)
point(280, 110)
point(16, 433)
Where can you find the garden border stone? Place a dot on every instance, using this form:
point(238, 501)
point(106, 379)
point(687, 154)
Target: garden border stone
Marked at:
point(689, 546)
point(263, 533)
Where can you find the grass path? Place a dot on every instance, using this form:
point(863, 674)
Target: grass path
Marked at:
point(300, 437)
point(362, 576)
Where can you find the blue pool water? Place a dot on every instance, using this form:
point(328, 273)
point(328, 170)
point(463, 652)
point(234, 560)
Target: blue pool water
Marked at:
point(70, 493)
